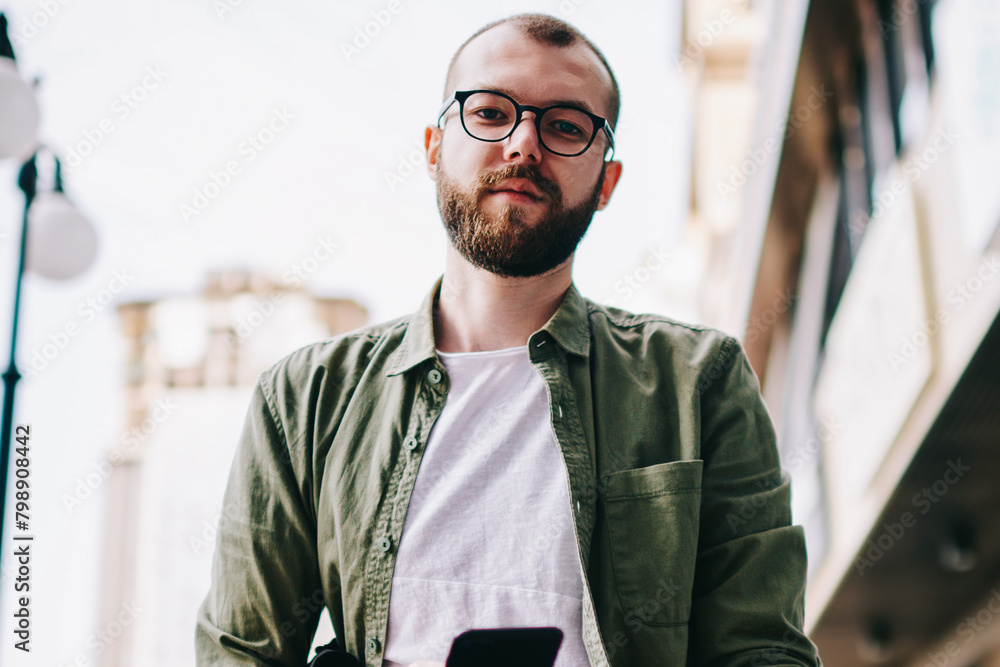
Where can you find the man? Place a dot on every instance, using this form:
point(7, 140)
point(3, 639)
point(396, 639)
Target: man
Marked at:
point(512, 454)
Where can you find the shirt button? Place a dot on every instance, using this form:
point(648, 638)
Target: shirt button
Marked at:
point(384, 544)
point(410, 443)
point(434, 376)
point(372, 644)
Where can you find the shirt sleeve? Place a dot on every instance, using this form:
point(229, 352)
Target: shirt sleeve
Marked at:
point(749, 586)
point(261, 606)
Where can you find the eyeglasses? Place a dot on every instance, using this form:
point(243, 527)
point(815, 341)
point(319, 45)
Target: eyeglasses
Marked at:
point(488, 115)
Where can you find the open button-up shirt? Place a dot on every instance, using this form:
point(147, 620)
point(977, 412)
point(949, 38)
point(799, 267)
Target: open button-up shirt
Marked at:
point(680, 508)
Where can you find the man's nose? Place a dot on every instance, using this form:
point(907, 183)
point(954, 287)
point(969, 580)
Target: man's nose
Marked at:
point(524, 142)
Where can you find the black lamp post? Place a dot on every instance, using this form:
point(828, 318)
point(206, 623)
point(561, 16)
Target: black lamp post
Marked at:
point(70, 242)
point(19, 117)
point(27, 181)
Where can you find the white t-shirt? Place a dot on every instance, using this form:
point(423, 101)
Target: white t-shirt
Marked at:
point(488, 538)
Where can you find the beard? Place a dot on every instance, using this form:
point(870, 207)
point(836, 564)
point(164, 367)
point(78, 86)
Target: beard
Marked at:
point(503, 243)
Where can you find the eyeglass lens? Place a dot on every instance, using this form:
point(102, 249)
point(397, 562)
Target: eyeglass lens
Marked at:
point(490, 117)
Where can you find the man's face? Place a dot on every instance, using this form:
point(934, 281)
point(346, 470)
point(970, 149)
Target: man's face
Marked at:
point(511, 207)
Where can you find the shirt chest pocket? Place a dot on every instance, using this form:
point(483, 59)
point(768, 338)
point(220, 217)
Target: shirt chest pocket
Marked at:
point(653, 517)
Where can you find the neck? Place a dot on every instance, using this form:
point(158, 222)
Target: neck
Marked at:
point(479, 311)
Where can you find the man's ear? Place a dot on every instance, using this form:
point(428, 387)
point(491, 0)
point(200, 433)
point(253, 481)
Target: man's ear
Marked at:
point(432, 143)
point(612, 172)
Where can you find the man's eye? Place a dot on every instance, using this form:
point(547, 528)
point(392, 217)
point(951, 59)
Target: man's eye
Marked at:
point(566, 128)
point(489, 114)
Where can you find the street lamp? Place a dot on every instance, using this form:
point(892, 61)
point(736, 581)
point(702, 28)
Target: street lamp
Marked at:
point(18, 106)
point(67, 244)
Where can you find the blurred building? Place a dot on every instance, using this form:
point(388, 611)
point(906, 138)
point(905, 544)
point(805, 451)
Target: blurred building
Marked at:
point(191, 363)
point(846, 207)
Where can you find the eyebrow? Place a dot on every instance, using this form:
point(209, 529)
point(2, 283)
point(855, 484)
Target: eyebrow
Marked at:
point(573, 103)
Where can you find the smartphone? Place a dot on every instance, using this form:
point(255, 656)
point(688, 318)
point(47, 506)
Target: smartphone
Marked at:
point(505, 647)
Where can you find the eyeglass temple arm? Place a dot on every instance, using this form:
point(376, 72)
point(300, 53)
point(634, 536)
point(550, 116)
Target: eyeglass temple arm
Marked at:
point(444, 107)
point(611, 136)
point(607, 130)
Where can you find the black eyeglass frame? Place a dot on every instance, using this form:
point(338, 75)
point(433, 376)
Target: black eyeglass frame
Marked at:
point(600, 123)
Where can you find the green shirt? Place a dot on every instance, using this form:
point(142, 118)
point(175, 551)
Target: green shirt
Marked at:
point(680, 507)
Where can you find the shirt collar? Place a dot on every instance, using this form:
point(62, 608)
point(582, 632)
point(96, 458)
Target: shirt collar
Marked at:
point(569, 326)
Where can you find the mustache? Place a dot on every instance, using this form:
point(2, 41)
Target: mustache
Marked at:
point(550, 190)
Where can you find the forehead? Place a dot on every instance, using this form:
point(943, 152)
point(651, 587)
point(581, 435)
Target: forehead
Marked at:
point(533, 72)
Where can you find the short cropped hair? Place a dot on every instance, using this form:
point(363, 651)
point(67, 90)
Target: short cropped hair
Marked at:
point(547, 30)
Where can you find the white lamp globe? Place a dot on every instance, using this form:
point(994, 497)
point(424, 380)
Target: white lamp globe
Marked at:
point(18, 113)
point(61, 242)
